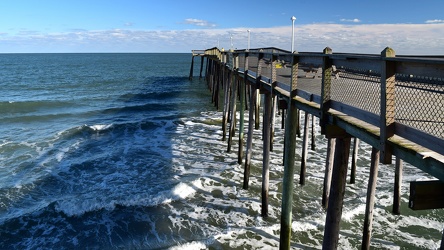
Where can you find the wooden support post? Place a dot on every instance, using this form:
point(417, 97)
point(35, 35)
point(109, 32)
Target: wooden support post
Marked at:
point(354, 159)
point(397, 188)
point(283, 112)
point(326, 89)
point(313, 132)
point(370, 199)
point(260, 61)
point(201, 66)
point(257, 106)
point(249, 150)
point(273, 121)
point(337, 190)
point(213, 83)
point(290, 148)
point(232, 103)
point(233, 112)
point(328, 171)
point(243, 84)
point(387, 119)
point(218, 83)
point(227, 85)
point(209, 75)
point(298, 123)
point(266, 154)
point(274, 99)
point(191, 69)
point(304, 149)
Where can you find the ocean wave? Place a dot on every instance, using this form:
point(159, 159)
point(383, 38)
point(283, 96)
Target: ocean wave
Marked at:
point(78, 206)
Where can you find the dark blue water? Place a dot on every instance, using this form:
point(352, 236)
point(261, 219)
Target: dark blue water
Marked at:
point(122, 151)
point(85, 146)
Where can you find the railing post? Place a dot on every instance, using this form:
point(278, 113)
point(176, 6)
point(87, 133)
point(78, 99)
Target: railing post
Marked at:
point(289, 159)
point(326, 88)
point(387, 104)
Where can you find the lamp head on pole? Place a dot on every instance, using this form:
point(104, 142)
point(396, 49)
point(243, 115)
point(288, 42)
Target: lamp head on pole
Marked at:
point(293, 18)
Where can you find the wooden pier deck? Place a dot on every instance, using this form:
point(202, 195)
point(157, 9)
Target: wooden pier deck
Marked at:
point(393, 103)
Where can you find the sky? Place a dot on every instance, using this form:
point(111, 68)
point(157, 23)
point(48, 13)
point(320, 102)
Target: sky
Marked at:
point(410, 27)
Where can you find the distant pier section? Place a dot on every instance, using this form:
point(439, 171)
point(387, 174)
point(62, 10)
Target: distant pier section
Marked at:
point(393, 103)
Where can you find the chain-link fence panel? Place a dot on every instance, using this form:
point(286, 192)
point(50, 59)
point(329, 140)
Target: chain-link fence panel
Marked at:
point(420, 103)
point(356, 87)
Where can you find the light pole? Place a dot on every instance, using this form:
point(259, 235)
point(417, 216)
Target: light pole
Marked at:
point(292, 33)
point(248, 47)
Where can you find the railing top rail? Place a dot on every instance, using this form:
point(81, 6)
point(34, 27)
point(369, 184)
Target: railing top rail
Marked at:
point(427, 59)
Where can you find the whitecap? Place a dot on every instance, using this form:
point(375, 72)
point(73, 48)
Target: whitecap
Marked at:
point(100, 127)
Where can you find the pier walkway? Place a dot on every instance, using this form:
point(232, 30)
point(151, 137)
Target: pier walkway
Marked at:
point(393, 103)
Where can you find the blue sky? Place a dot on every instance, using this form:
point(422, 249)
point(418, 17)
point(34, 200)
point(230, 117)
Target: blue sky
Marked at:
point(355, 26)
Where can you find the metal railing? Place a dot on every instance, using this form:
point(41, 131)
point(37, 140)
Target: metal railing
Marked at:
point(403, 96)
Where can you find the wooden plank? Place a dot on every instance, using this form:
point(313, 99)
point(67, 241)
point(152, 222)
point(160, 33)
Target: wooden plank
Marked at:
point(429, 68)
point(420, 137)
point(426, 195)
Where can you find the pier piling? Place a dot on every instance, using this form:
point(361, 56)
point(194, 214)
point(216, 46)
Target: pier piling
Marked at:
point(289, 160)
point(337, 191)
point(370, 199)
point(304, 149)
point(397, 188)
point(354, 160)
point(266, 153)
point(249, 150)
point(331, 144)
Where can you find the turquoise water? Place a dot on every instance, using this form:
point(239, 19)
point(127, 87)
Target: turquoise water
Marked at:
point(106, 151)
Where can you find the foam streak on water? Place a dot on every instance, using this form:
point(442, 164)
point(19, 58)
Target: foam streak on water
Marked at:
point(112, 151)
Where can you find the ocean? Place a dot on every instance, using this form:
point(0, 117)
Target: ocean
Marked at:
point(123, 151)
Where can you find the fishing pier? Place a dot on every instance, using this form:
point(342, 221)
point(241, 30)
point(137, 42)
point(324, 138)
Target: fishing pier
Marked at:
point(393, 103)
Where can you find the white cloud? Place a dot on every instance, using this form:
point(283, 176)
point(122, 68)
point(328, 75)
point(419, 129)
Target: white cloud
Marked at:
point(435, 21)
point(199, 22)
point(350, 20)
point(416, 39)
